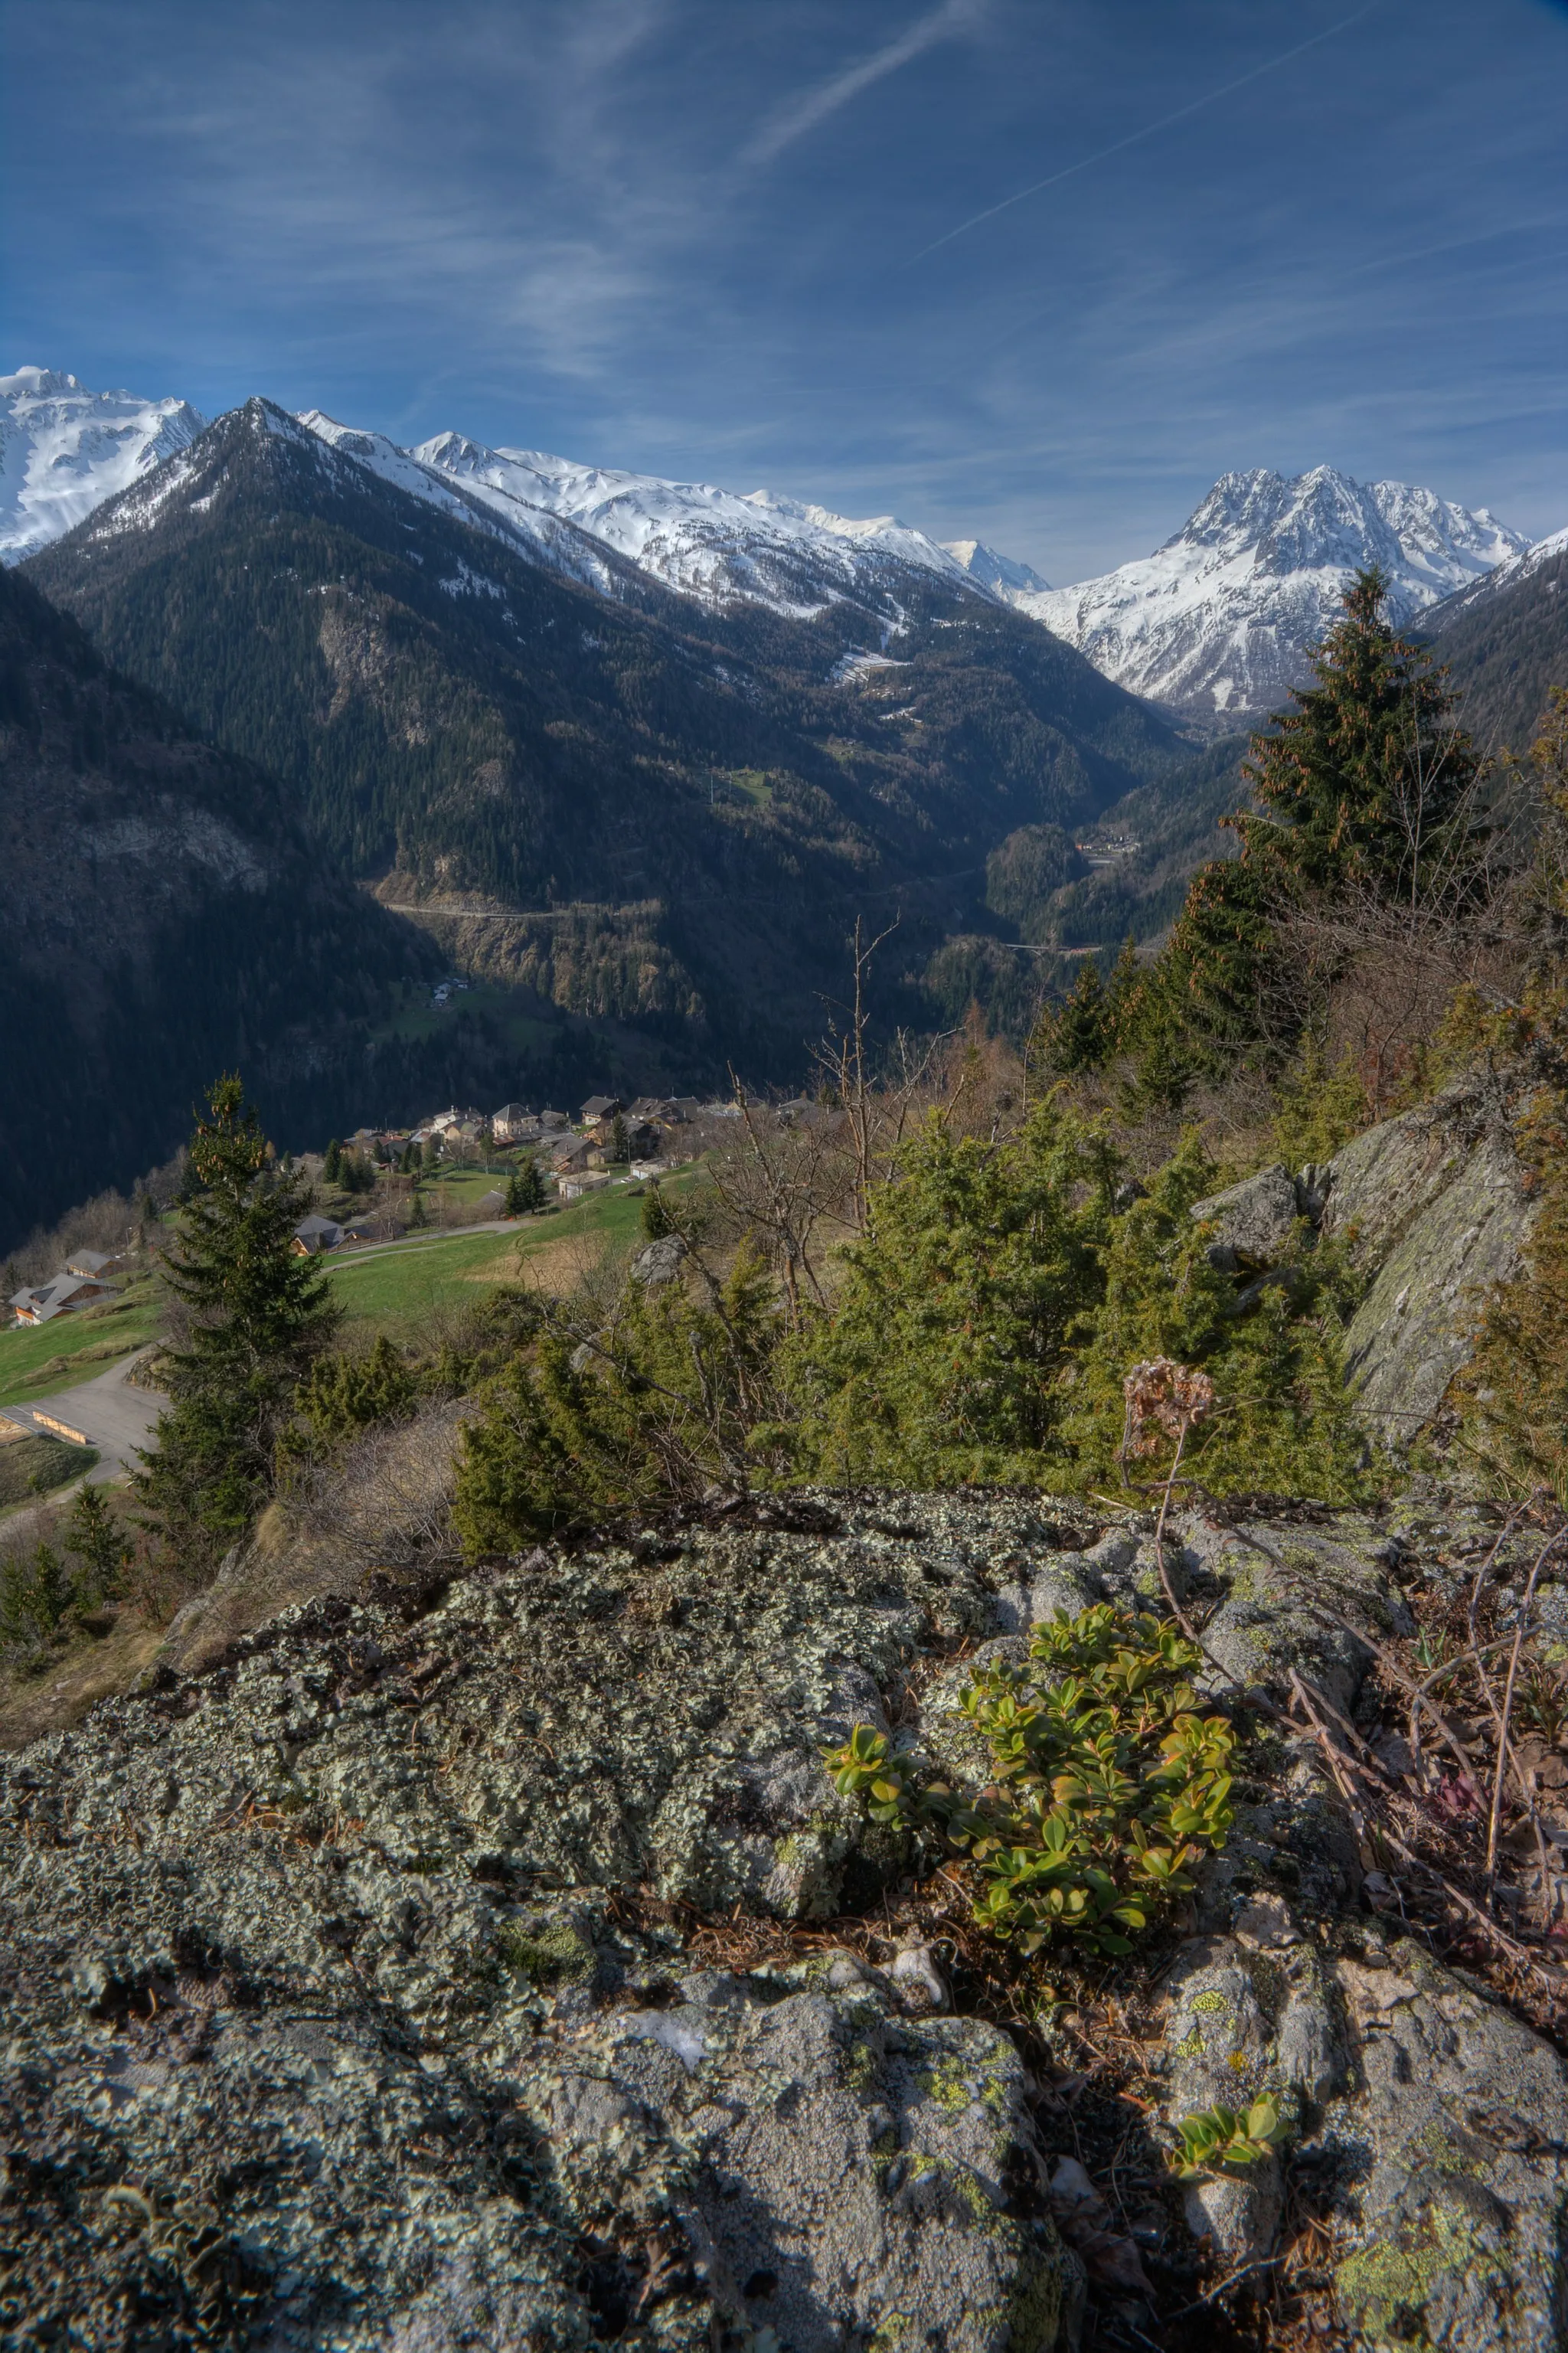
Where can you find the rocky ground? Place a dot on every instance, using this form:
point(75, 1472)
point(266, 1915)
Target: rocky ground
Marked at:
point(497, 1966)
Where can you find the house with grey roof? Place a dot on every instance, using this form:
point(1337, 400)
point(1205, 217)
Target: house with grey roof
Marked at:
point(62, 1294)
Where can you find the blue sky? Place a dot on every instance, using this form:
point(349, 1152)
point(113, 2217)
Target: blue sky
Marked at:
point(776, 241)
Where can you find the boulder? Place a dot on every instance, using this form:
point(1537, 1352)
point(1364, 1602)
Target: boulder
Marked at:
point(659, 1261)
point(1456, 2145)
point(1254, 1222)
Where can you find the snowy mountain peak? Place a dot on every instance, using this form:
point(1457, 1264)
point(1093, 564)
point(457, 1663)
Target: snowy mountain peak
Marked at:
point(1221, 619)
point(983, 565)
point(722, 546)
point(64, 450)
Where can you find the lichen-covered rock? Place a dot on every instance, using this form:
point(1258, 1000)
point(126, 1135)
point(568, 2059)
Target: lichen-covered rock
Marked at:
point(1432, 1207)
point(1280, 1590)
point(1456, 2147)
point(1254, 1222)
point(841, 2171)
point(1249, 2014)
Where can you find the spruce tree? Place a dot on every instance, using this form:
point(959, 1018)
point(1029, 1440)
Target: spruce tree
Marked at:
point(1367, 784)
point(530, 1188)
point(1077, 1036)
point(332, 1168)
point(256, 1315)
point(1369, 779)
point(92, 1533)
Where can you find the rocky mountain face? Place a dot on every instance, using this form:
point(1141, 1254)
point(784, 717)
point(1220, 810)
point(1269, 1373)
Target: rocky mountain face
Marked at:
point(1218, 623)
point(1505, 643)
point(703, 796)
point(63, 451)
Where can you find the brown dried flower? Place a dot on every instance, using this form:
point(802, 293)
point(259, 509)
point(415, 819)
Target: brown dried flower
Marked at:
point(1162, 1398)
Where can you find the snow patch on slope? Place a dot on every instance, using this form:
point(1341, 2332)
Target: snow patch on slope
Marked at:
point(64, 450)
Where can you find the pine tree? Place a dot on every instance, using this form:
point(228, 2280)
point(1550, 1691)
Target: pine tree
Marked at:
point(530, 1185)
point(257, 1313)
point(1077, 1035)
point(92, 1533)
point(656, 1218)
point(332, 1168)
point(1367, 784)
point(1369, 779)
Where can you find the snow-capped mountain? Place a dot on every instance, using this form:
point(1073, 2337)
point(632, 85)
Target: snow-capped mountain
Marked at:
point(993, 571)
point(719, 546)
point(1219, 621)
point(1532, 559)
point(64, 450)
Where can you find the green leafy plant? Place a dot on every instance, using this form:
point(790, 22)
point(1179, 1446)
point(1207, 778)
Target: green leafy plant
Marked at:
point(1223, 2140)
point(1105, 1783)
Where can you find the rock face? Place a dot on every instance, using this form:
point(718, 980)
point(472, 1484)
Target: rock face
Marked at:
point(349, 2002)
point(1433, 1209)
point(1436, 1202)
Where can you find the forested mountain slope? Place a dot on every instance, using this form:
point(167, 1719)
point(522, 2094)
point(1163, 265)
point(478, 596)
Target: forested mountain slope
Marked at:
point(1505, 642)
point(705, 799)
point(162, 917)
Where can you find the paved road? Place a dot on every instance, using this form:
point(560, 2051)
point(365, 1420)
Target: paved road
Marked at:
point(110, 1415)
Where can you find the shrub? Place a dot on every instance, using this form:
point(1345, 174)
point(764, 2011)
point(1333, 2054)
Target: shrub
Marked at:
point(343, 1394)
point(36, 1591)
point(1274, 1356)
point(941, 1358)
point(667, 1396)
point(1105, 1783)
point(987, 1321)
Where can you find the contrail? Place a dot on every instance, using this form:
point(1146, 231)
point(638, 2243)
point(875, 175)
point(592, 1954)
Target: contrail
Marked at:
point(1148, 131)
point(803, 114)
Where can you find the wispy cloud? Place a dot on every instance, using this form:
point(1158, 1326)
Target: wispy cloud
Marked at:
point(798, 115)
point(1148, 130)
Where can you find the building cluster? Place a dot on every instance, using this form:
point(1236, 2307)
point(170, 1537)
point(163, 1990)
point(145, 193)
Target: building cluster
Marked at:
point(576, 1154)
point(80, 1283)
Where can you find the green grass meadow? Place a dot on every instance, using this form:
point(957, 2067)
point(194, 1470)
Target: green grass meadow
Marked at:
point(37, 1360)
point(397, 1291)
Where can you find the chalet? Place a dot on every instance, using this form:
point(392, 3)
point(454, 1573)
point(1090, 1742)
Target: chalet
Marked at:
point(313, 1234)
point(601, 1107)
point(508, 1124)
point(573, 1152)
point(91, 1263)
point(63, 1295)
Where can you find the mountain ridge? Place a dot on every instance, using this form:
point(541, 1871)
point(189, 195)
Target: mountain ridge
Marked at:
point(675, 809)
